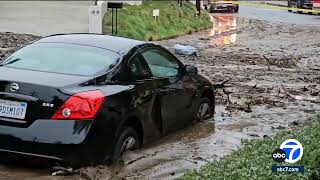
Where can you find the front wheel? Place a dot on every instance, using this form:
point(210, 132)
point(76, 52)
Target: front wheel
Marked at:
point(127, 141)
point(205, 109)
point(235, 9)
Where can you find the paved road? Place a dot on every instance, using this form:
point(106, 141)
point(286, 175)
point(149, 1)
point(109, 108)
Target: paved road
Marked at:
point(44, 18)
point(274, 15)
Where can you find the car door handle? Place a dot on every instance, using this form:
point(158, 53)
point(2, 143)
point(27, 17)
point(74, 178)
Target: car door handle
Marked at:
point(167, 91)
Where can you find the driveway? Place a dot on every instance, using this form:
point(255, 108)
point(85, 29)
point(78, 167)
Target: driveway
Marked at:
point(44, 18)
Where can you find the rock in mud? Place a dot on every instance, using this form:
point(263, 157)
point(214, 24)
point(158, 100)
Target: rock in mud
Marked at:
point(295, 123)
point(185, 50)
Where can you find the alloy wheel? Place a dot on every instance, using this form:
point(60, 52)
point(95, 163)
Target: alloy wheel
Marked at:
point(127, 145)
point(204, 111)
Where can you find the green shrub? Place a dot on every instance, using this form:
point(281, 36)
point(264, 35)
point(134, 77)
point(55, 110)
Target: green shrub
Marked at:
point(254, 161)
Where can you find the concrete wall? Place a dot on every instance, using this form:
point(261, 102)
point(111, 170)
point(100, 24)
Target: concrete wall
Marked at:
point(134, 2)
point(137, 2)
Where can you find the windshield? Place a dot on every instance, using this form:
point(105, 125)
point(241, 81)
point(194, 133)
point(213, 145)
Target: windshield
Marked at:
point(62, 58)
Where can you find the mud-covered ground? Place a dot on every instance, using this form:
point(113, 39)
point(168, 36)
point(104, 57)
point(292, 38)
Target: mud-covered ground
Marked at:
point(273, 84)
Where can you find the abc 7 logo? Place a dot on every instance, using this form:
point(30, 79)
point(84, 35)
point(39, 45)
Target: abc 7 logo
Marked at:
point(279, 155)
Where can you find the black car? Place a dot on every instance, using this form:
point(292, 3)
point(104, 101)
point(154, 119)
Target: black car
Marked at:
point(301, 4)
point(88, 98)
point(226, 5)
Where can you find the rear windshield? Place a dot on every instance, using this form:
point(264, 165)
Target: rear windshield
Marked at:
point(62, 58)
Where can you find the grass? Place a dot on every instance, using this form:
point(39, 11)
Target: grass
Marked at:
point(137, 22)
point(254, 160)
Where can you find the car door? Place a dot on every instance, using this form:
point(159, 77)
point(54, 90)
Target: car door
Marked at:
point(145, 93)
point(176, 97)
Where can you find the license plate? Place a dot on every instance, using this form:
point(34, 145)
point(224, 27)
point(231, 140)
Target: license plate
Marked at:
point(13, 109)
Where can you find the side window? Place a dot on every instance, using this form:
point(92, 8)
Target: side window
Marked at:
point(161, 63)
point(138, 68)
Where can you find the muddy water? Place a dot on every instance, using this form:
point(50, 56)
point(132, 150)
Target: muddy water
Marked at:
point(224, 31)
point(273, 85)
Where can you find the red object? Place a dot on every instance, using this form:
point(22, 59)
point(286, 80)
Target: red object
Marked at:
point(81, 106)
point(316, 4)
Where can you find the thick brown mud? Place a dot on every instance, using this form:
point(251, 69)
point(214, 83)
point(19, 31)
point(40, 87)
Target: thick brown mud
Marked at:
point(273, 74)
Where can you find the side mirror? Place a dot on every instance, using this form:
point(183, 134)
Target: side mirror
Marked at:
point(191, 70)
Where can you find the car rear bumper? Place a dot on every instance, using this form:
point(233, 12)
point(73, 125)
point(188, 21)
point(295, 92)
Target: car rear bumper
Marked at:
point(50, 139)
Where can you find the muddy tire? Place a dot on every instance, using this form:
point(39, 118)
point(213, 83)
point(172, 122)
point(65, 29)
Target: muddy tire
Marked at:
point(205, 110)
point(235, 9)
point(211, 9)
point(128, 140)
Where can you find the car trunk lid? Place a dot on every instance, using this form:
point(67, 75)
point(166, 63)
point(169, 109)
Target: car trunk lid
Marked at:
point(38, 95)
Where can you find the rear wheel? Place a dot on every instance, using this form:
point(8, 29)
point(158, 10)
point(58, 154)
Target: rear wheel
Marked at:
point(289, 6)
point(211, 9)
point(300, 7)
point(205, 109)
point(235, 9)
point(128, 140)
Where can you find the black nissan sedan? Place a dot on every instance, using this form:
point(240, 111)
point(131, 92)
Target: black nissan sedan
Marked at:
point(88, 98)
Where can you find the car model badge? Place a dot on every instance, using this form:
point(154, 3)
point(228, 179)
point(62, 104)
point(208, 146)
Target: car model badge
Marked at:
point(14, 87)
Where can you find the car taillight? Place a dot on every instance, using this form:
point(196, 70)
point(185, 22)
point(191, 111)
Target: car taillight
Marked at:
point(81, 106)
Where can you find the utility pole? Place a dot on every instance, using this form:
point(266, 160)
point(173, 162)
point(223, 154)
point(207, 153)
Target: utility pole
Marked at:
point(198, 7)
